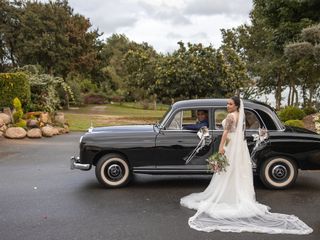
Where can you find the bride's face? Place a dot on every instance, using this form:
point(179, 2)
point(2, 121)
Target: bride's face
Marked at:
point(231, 107)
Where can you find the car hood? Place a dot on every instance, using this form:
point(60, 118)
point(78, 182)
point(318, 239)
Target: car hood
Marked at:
point(124, 129)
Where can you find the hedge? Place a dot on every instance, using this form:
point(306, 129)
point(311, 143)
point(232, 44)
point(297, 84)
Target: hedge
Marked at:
point(14, 85)
point(294, 123)
point(291, 113)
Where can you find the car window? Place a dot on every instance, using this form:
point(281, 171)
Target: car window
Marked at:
point(269, 122)
point(252, 121)
point(219, 115)
point(176, 122)
point(188, 119)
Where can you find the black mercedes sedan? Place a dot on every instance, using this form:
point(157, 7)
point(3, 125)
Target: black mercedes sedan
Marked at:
point(170, 147)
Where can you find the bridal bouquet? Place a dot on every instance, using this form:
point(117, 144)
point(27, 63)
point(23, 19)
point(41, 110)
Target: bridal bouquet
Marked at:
point(217, 163)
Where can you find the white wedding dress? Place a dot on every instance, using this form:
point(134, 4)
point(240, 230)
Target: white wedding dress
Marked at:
point(228, 204)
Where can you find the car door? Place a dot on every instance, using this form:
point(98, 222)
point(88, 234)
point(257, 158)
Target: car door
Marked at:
point(174, 143)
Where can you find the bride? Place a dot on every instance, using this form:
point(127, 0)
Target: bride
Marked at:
point(228, 204)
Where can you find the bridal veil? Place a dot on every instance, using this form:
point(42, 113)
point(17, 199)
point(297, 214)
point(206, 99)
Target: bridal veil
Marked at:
point(228, 204)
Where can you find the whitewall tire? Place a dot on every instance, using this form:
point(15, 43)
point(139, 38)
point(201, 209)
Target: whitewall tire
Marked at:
point(278, 172)
point(113, 171)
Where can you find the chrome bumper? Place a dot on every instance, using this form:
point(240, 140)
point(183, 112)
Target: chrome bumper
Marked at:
point(75, 164)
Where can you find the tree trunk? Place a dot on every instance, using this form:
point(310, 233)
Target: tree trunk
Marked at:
point(154, 101)
point(304, 96)
point(278, 92)
point(14, 64)
point(297, 97)
point(289, 95)
point(67, 101)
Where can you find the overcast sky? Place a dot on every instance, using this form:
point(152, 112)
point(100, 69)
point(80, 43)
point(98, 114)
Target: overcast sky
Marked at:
point(162, 23)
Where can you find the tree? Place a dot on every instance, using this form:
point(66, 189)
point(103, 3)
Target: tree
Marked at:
point(141, 66)
point(232, 70)
point(10, 25)
point(189, 72)
point(48, 34)
point(261, 44)
point(304, 63)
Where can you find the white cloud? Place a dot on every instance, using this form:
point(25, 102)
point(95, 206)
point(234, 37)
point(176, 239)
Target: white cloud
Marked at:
point(218, 7)
point(162, 23)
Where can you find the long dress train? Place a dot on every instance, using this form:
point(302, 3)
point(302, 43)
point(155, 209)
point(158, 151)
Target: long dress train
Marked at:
point(228, 204)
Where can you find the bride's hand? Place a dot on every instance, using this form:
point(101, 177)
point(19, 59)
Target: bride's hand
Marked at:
point(221, 151)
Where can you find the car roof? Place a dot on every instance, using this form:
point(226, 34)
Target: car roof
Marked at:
point(210, 102)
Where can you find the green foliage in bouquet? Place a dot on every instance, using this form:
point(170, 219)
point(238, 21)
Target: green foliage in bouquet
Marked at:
point(217, 163)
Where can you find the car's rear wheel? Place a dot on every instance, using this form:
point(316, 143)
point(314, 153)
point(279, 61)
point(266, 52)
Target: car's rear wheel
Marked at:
point(278, 172)
point(113, 171)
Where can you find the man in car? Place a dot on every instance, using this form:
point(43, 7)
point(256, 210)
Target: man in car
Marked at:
point(202, 116)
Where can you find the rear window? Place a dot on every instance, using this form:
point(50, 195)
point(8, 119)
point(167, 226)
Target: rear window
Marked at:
point(252, 120)
point(268, 121)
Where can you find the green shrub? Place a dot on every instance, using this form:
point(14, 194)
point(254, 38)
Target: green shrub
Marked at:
point(17, 115)
point(75, 88)
point(22, 123)
point(309, 110)
point(294, 123)
point(14, 85)
point(291, 113)
point(87, 86)
point(44, 89)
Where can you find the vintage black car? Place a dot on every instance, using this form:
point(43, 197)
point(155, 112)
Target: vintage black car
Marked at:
point(120, 151)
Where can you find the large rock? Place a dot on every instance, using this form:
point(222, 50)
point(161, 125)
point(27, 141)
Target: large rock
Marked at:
point(8, 111)
point(15, 132)
point(45, 118)
point(59, 118)
point(56, 131)
point(1, 122)
point(31, 123)
point(3, 128)
point(34, 133)
point(6, 118)
point(1, 134)
point(48, 131)
point(61, 130)
point(66, 128)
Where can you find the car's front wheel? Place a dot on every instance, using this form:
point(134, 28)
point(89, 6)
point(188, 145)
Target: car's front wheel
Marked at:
point(278, 172)
point(113, 171)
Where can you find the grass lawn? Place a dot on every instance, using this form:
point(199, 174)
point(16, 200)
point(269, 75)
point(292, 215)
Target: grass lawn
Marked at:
point(80, 119)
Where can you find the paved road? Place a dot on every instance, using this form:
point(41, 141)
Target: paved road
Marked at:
point(40, 198)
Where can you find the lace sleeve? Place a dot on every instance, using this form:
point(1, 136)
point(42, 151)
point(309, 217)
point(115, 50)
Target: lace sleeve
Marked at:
point(229, 122)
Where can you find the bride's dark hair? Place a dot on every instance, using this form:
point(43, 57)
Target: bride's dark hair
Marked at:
point(236, 101)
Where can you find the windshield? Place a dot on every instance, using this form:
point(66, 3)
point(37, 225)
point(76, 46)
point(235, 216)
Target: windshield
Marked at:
point(165, 117)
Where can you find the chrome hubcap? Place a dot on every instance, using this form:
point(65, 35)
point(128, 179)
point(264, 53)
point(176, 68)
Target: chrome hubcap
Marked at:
point(279, 172)
point(115, 172)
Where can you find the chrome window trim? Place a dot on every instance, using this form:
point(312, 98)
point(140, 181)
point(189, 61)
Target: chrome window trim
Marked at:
point(212, 109)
